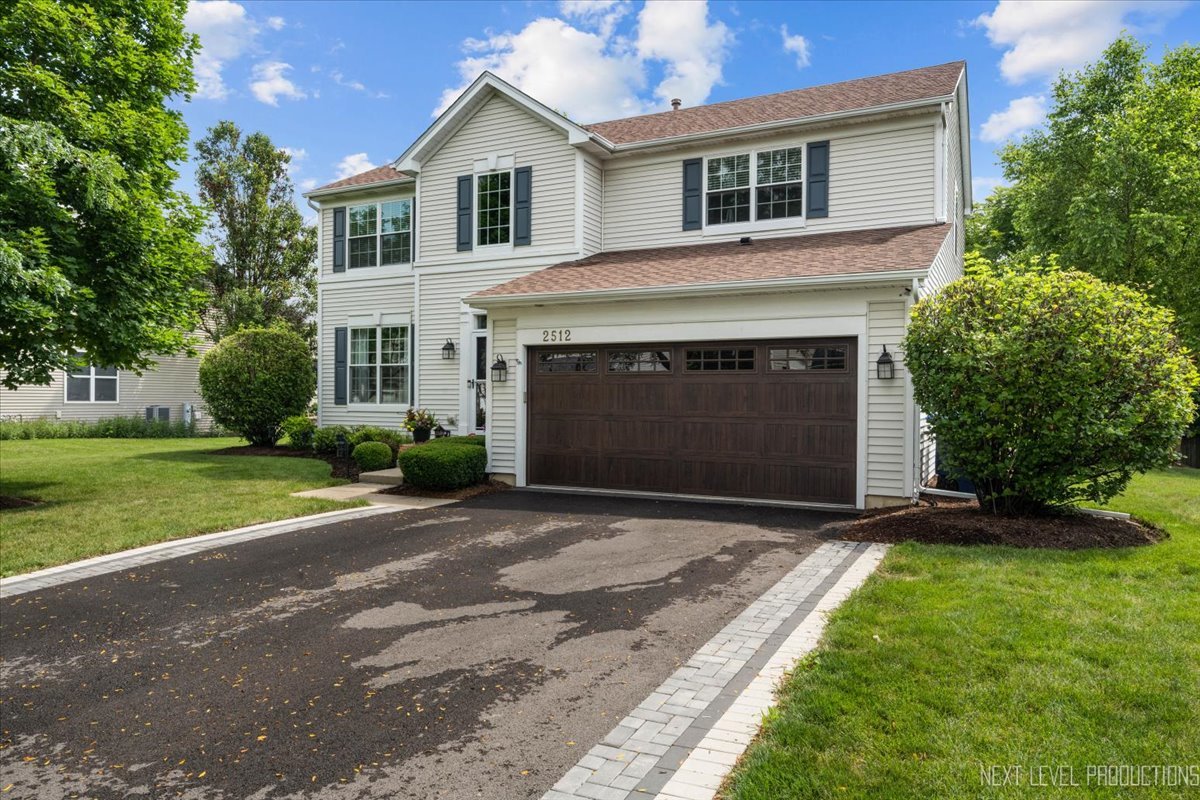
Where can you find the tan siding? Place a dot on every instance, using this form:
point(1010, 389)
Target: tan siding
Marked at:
point(172, 384)
point(593, 207)
point(502, 433)
point(338, 302)
point(500, 127)
point(879, 177)
point(886, 430)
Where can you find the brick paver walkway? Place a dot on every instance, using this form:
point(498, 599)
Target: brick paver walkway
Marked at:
point(682, 740)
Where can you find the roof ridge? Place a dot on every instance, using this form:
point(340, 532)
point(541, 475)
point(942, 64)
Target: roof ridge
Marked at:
point(718, 104)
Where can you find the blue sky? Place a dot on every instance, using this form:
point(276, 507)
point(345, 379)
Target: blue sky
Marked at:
point(348, 85)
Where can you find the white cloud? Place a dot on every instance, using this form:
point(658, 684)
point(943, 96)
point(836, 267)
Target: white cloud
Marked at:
point(357, 86)
point(590, 72)
point(275, 23)
point(308, 184)
point(225, 33)
point(1021, 115)
point(1043, 37)
point(798, 45)
point(353, 164)
point(270, 83)
point(297, 155)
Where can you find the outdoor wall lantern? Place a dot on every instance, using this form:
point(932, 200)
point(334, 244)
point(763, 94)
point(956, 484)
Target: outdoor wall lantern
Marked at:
point(500, 370)
point(448, 350)
point(440, 433)
point(885, 368)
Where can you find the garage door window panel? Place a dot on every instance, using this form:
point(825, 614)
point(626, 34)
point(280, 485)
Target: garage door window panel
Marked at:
point(719, 360)
point(640, 361)
point(567, 362)
point(794, 359)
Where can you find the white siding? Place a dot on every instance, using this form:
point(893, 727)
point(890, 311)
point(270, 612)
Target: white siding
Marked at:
point(338, 303)
point(879, 176)
point(593, 207)
point(441, 383)
point(172, 384)
point(502, 435)
point(499, 128)
point(887, 431)
point(947, 266)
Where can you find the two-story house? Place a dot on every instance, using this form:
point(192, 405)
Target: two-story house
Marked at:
point(702, 302)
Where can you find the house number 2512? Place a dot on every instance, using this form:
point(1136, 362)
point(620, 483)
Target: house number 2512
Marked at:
point(557, 335)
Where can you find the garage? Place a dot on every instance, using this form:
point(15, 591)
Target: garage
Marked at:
point(770, 419)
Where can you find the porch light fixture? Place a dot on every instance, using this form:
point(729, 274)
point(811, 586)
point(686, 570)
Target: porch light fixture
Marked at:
point(500, 370)
point(885, 368)
point(448, 350)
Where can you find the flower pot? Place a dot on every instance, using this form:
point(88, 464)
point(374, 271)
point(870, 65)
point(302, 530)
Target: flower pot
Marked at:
point(420, 435)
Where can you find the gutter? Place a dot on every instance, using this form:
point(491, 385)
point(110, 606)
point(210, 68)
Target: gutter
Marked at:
point(697, 290)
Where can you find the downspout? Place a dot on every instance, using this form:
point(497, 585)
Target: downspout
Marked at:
point(320, 338)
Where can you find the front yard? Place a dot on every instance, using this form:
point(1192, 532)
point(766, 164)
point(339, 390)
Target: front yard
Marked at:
point(953, 665)
point(103, 495)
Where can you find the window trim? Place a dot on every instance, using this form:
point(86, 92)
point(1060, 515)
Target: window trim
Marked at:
point(499, 246)
point(379, 203)
point(754, 224)
point(91, 376)
point(378, 365)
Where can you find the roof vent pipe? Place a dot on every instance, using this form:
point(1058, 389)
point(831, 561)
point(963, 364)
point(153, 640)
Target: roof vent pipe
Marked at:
point(676, 103)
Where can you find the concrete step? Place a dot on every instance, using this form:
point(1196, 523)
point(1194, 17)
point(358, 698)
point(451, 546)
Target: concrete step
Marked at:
point(389, 477)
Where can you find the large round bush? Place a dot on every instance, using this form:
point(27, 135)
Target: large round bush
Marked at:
point(255, 379)
point(1048, 389)
point(372, 456)
point(444, 466)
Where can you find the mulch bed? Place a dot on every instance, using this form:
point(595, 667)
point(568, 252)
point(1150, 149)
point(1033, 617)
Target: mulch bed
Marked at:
point(964, 523)
point(341, 469)
point(488, 487)
point(8, 501)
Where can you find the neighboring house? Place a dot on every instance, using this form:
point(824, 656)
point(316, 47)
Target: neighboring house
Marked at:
point(171, 392)
point(692, 302)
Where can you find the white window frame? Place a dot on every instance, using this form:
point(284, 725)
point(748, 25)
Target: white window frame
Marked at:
point(512, 187)
point(378, 366)
point(380, 233)
point(91, 376)
point(755, 224)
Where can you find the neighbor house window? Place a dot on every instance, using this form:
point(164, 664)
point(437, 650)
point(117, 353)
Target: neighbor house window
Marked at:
point(91, 384)
point(380, 360)
point(494, 205)
point(776, 184)
point(380, 234)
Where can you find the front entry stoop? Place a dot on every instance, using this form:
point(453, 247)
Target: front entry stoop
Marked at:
point(389, 477)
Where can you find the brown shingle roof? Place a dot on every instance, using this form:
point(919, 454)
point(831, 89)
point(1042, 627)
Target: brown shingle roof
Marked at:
point(814, 255)
point(382, 174)
point(897, 87)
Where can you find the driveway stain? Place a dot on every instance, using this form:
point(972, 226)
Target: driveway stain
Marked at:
point(470, 650)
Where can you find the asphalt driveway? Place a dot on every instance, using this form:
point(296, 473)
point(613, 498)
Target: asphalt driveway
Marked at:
point(473, 650)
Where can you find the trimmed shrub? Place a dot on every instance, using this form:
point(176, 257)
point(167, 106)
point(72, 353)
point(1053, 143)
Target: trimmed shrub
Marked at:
point(325, 439)
point(255, 379)
point(299, 430)
point(371, 433)
point(371, 456)
point(1048, 389)
point(443, 467)
point(477, 441)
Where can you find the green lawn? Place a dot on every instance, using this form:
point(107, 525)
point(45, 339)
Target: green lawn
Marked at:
point(104, 495)
point(953, 658)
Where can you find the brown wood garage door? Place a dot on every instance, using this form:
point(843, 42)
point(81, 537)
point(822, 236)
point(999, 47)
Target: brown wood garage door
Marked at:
point(773, 419)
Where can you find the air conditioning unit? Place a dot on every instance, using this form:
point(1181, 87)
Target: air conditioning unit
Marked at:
point(158, 413)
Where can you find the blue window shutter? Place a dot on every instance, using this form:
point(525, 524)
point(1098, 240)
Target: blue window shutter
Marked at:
point(522, 201)
point(818, 179)
point(693, 206)
point(339, 366)
point(339, 239)
point(464, 212)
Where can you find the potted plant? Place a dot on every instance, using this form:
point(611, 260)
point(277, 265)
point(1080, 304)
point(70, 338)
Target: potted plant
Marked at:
point(420, 422)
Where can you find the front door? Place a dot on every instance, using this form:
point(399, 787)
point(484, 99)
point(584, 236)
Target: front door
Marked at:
point(478, 382)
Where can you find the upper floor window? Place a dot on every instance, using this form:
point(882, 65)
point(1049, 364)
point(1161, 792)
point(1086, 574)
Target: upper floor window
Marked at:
point(380, 234)
point(493, 203)
point(91, 384)
point(776, 184)
point(380, 362)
